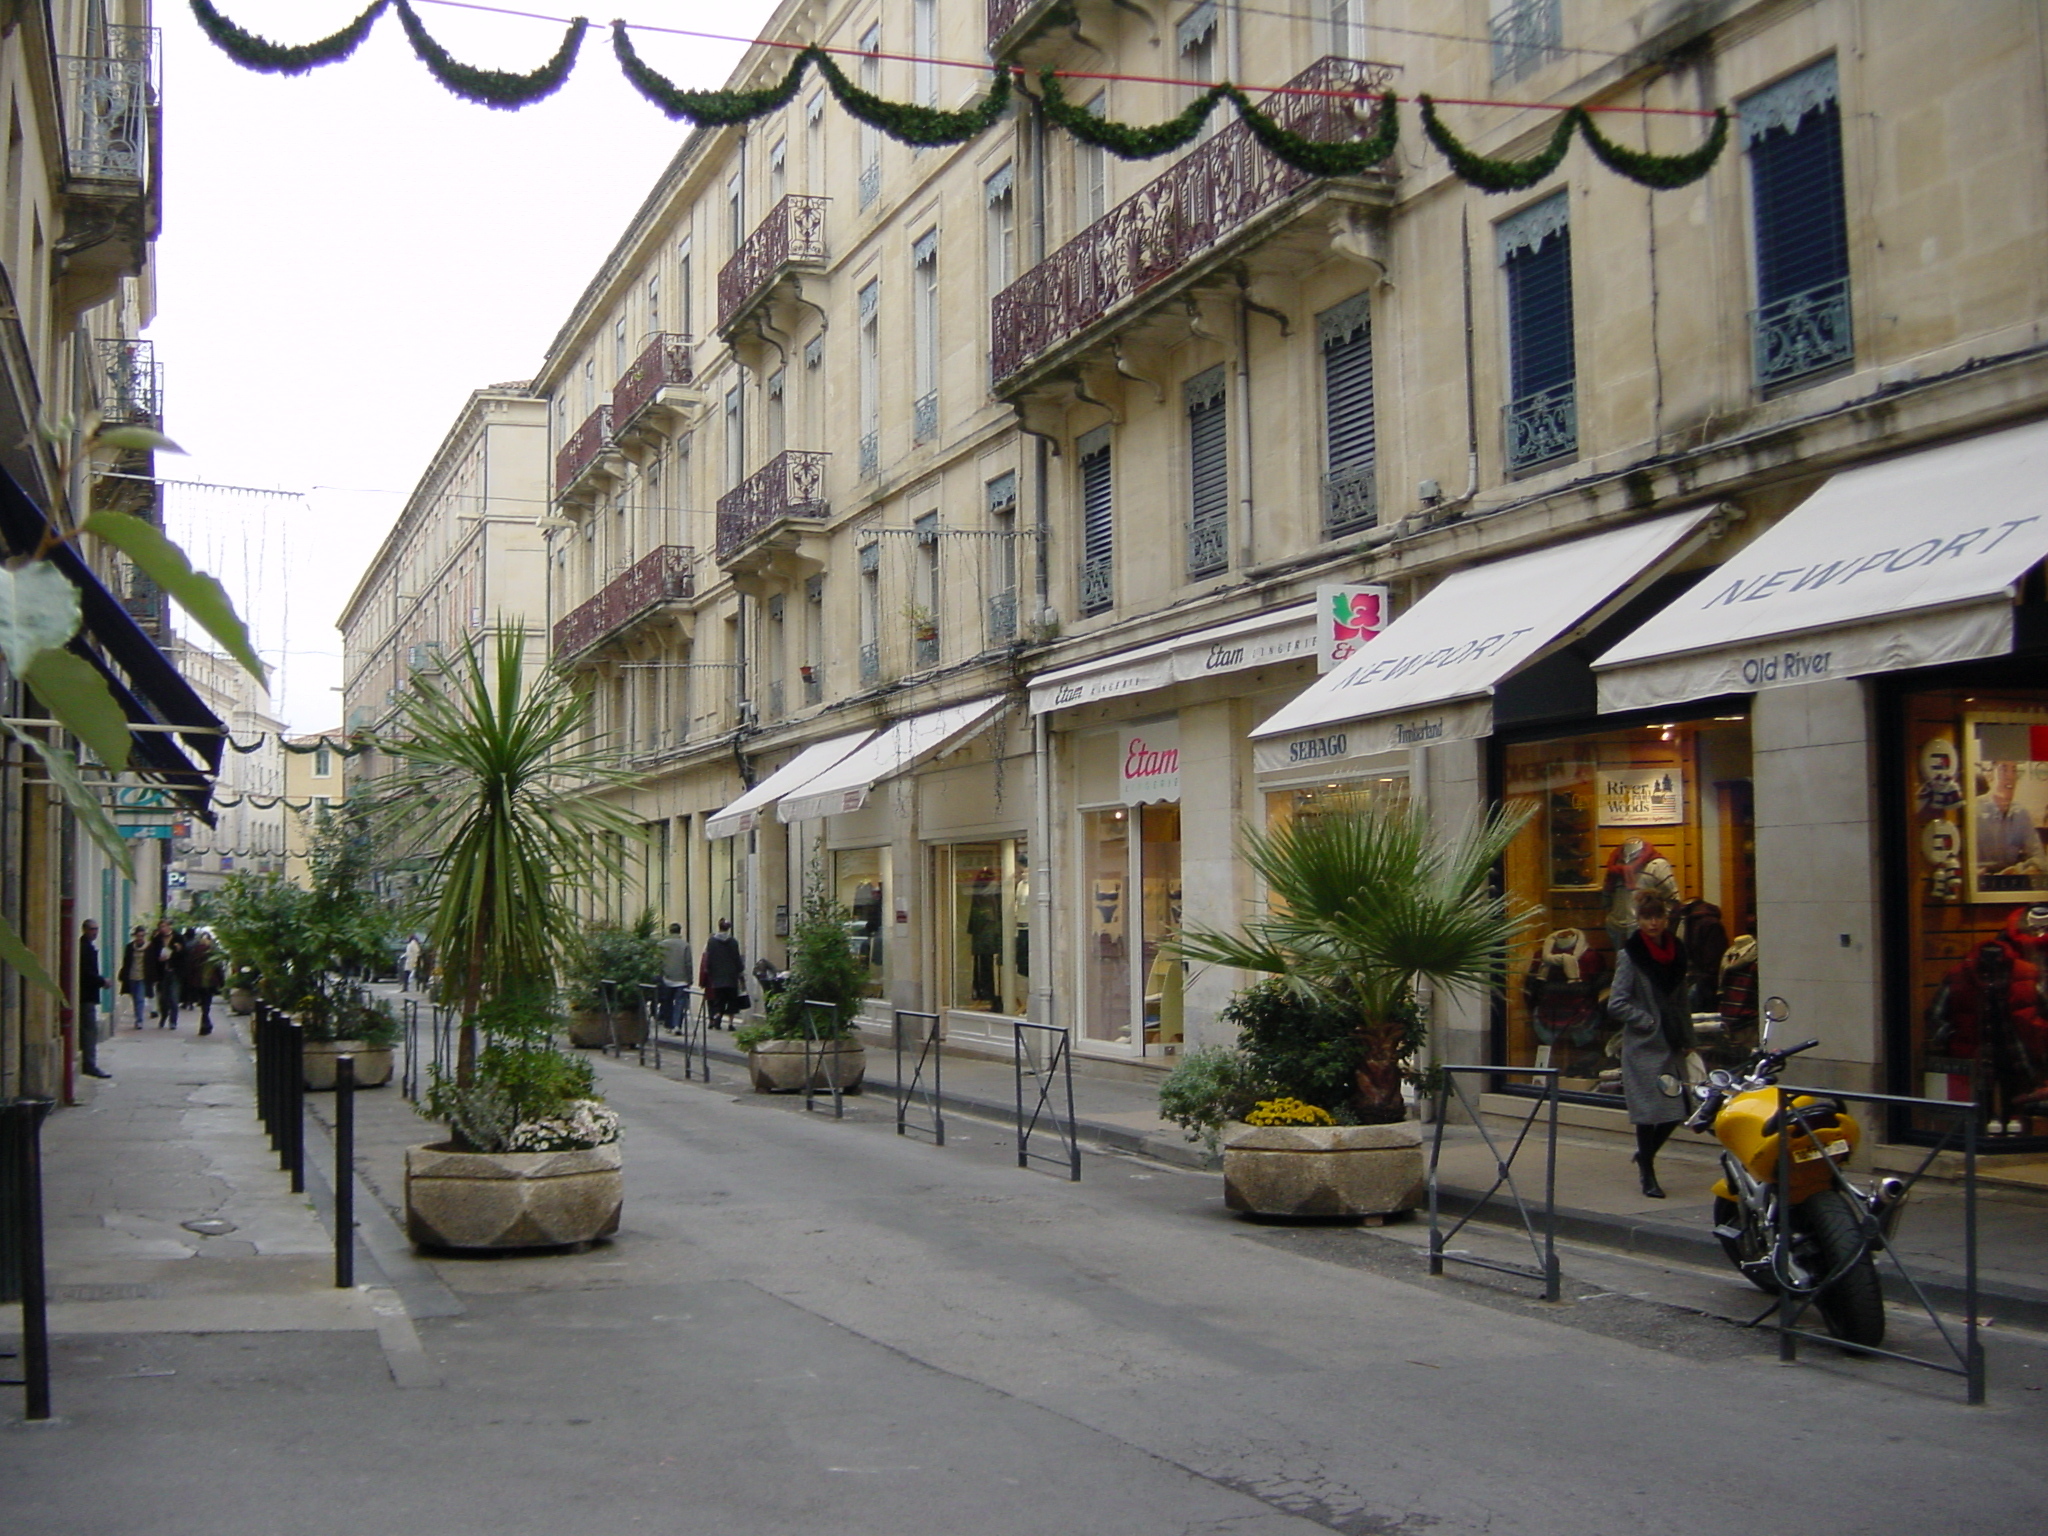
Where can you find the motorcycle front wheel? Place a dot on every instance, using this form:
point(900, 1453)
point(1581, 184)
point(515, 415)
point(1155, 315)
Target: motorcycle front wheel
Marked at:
point(1854, 1304)
point(1749, 1248)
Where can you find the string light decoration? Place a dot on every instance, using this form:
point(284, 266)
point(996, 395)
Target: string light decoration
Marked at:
point(922, 126)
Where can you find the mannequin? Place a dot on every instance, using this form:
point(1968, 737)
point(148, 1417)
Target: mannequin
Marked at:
point(1635, 865)
point(1562, 989)
point(1989, 1011)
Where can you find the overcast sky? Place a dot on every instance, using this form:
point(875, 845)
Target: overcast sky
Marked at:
point(347, 254)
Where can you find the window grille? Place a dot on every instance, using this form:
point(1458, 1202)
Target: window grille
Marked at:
point(1098, 533)
point(1349, 431)
point(1208, 474)
point(1535, 256)
point(1793, 133)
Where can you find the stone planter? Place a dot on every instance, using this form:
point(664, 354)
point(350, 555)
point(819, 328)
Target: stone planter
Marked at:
point(777, 1066)
point(241, 1001)
point(512, 1199)
point(1322, 1170)
point(589, 1031)
point(373, 1063)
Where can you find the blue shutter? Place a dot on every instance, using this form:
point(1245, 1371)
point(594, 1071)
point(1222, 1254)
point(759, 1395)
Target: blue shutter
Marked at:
point(1208, 474)
point(1098, 534)
point(1801, 325)
point(1542, 416)
point(1350, 433)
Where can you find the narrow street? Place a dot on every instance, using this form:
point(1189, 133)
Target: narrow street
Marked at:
point(808, 1324)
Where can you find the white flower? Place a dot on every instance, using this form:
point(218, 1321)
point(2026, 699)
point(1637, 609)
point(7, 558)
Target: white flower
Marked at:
point(585, 1123)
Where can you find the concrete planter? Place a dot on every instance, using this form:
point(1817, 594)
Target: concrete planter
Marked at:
point(589, 1031)
point(241, 1001)
point(777, 1066)
point(512, 1199)
point(373, 1063)
point(1322, 1170)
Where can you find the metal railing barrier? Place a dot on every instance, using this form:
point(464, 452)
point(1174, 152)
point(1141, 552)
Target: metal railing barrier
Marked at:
point(344, 1172)
point(689, 1018)
point(1042, 1051)
point(409, 1072)
point(1967, 1353)
point(913, 1090)
point(609, 991)
point(822, 1057)
point(1543, 1244)
point(650, 1023)
point(22, 1276)
point(281, 1089)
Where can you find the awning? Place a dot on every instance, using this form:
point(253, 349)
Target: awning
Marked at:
point(1430, 675)
point(844, 787)
point(1910, 563)
point(744, 812)
point(145, 683)
point(1285, 634)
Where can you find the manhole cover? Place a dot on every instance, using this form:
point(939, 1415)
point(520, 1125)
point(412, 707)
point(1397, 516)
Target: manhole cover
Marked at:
point(209, 1226)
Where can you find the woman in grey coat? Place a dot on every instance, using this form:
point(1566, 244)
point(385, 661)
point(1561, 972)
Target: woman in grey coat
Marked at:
point(1648, 1001)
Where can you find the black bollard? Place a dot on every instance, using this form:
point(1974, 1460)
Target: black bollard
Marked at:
point(21, 1167)
point(344, 1171)
point(292, 1095)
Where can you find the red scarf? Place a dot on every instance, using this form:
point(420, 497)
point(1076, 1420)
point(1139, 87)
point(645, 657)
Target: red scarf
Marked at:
point(1662, 951)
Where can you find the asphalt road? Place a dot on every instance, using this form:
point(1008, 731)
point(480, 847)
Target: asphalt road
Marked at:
point(817, 1326)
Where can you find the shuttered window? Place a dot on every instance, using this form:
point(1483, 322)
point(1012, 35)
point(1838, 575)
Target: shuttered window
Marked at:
point(1793, 132)
point(1098, 533)
point(1536, 260)
point(1350, 435)
point(1208, 474)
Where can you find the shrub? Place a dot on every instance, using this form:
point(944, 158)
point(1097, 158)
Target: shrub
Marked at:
point(1208, 1088)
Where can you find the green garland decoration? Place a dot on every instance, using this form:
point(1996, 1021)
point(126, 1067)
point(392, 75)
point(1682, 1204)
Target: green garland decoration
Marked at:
point(492, 87)
point(906, 122)
point(1344, 157)
point(266, 57)
point(1127, 141)
point(1497, 175)
point(1660, 172)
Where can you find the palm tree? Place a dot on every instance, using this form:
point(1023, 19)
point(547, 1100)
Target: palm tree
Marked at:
point(1362, 905)
point(497, 792)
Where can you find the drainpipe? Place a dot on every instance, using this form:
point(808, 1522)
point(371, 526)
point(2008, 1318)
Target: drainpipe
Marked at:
point(1471, 382)
point(1247, 523)
point(1048, 953)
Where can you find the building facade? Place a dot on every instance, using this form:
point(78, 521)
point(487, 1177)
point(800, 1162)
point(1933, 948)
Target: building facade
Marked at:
point(250, 826)
point(315, 783)
point(952, 527)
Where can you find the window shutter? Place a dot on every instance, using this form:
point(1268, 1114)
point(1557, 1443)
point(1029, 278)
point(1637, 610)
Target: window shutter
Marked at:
point(1793, 131)
point(1350, 433)
point(1098, 533)
point(1208, 474)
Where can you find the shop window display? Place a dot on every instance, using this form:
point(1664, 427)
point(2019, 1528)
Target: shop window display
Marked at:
point(860, 881)
point(1665, 808)
point(987, 953)
point(1977, 777)
point(1132, 985)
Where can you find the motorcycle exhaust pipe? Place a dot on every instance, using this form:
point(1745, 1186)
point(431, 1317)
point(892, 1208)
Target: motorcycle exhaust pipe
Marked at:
point(1887, 1201)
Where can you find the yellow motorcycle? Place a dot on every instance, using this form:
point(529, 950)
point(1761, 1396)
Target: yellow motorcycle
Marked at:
point(1785, 1211)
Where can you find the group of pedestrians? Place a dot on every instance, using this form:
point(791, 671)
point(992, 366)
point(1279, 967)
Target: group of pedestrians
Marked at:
point(166, 971)
point(721, 975)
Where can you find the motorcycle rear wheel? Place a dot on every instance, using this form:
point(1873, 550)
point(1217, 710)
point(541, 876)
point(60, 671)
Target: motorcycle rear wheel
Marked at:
point(1747, 1249)
point(1853, 1305)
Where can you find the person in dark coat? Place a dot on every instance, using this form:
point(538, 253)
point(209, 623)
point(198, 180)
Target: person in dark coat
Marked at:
point(1648, 1001)
point(722, 973)
point(91, 982)
point(200, 974)
point(165, 957)
point(134, 976)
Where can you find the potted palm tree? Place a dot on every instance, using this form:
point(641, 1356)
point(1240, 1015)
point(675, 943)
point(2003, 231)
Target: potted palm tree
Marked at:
point(1362, 906)
point(823, 968)
point(495, 791)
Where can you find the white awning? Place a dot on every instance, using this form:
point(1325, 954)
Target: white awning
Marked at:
point(1910, 563)
point(1430, 675)
point(844, 786)
point(744, 812)
point(1285, 634)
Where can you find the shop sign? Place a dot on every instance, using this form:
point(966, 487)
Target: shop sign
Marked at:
point(1372, 735)
point(1347, 617)
point(1641, 797)
point(1148, 762)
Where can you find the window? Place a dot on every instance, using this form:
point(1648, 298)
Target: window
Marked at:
point(1793, 133)
point(812, 639)
point(1098, 532)
point(735, 212)
point(589, 386)
point(1347, 29)
point(870, 379)
point(1535, 256)
point(1349, 436)
point(1196, 35)
point(870, 566)
point(323, 763)
point(774, 663)
point(683, 285)
point(870, 136)
point(654, 305)
point(999, 235)
point(735, 435)
point(778, 171)
point(925, 601)
point(860, 881)
point(1208, 474)
point(774, 389)
point(620, 357)
point(1526, 34)
point(1091, 172)
point(924, 47)
point(924, 337)
point(814, 142)
point(1001, 497)
point(986, 931)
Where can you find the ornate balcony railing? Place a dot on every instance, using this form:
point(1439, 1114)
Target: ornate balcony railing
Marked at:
point(870, 661)
point(1004, 15)
point(1098, 584)
point(1186, 211)
point(584, 445)
point(107, 106)
point(1002, 616)
point(664, 575)
point(924, 418)
point(790, 485)
point(1805, 333)
point(792, 234)
point(924, 649)
point(129, 383)
point(1350, 500)
point(1542, 427)
point(665, 361)
point(870, 455)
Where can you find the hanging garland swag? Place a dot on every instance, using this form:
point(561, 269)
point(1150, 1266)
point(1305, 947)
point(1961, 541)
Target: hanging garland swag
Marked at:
point(911, 123)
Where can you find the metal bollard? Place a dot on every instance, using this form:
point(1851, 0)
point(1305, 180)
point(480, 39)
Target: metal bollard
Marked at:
point(21, 1169)
point(344, 1171)
point(292, 1097)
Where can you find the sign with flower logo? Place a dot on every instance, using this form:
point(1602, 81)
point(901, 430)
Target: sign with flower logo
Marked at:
point(1347, 617)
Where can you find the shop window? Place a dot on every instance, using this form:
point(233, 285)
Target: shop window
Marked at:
point(986, 958)
point(1665, 808)
point(1132, 986)
point(860, 883)
point(1793, 132)
point(1311, 800)
point(1976, 776)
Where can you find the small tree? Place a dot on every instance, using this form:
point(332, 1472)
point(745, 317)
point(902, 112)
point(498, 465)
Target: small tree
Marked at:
point(823, 968)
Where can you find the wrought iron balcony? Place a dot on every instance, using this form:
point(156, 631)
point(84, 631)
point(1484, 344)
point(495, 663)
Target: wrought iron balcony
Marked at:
point(1002, 616)
point(129, 382)
point(664, 364)
point(870, 661)
point(1350, 500)
point(664, 575)
point(109, 105)
point(1182, 215)
point(789, 487)
point(1542, 427)
point(581, 450)
point(793, 235)
point(1805, 333)
point(1526, 36)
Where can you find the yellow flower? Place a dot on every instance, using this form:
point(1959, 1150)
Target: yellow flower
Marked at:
point(1288, 1111)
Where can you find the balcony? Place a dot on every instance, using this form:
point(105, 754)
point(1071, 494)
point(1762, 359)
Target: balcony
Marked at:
point(664, 575)
point(110, 161)
point(128, 382)
point(789, 489)
point(577, 460)
point(655, 390)
point(1224, 203)
point(1804, 334)
point(789, 241)
point(1029, 31)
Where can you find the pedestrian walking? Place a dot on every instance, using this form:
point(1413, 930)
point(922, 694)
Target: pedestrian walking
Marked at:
point(163, 957)
point(1648, 1001)
point(675, 974)
point(91, 982)
point(722, 974)
point(412, 961)
point(201, 973)
point(134, 973)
